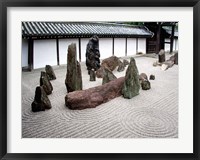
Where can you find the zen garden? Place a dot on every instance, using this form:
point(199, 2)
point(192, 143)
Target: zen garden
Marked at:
point(99, 80)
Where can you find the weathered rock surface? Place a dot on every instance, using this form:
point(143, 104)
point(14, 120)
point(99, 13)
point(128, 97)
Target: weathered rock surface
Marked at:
point(73, 79)
point(145, 84)
point(41, 101)
point(95, 96)
point(143, 77)
point(174, 58)
point(167, 64)
point(100, 72)
point(111, 63)
point(50, 72)
point(121, 67)
point(93, 54)
point(161, 56)
point(131, 85)
point(44, 81)
point(125, 62)
point(92, 75)
point(108, 76)
point(152, 77)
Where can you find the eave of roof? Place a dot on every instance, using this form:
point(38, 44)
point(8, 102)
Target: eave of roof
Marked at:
point(39, 30)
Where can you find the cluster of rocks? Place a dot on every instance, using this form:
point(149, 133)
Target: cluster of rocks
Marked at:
point(111, 88)
point(41, 100)
point(111, 63)
point(165, 64)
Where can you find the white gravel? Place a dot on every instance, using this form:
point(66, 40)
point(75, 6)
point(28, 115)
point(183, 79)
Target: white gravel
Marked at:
point(151, 114)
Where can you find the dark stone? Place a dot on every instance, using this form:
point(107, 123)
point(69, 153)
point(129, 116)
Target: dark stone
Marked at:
point(146, 85)
point(131, 85)
point(152, 77)
point(108, 76)
point(41, 101)
point(125, 62)
point(121, 67)
point(95, 96)
point(93, 54)
point(44, 81)
point(73, 79)
point(50, 72)
point(92, 75)
point(111, 63)
point(161, 56)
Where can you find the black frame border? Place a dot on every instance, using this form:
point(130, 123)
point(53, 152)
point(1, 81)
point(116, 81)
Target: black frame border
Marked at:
point(98, 3)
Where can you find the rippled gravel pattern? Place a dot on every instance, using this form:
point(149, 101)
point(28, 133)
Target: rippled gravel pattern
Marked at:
point(151, 114)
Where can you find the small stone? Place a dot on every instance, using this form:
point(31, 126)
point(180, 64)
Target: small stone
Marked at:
point(50, 72)
point(92, 75)
point(143, 77)
point(100, 72)
point(121, 67)
point(161, 56)
point(146, 85)
point(108, 76)
point(131, 85)
point(41, 101)
point(152, 77)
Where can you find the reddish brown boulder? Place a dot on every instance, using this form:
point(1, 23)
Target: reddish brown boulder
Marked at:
point(111, 63)
point(95, 96)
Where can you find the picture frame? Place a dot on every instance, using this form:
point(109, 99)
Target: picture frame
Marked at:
point(97, 3)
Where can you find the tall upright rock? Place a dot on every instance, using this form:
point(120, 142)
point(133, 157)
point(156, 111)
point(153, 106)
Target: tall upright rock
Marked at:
point(73, 79)
point(131, 85)
point(44, 81)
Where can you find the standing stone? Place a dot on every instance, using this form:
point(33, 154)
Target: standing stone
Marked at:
point(93, 54)
point(73, 79)
point(50, 72)
point(161, 56)
point(41, 101)
point(121, 67)
point(108, 76)
point(131, 85)
point(92, 75)
point(47, 86)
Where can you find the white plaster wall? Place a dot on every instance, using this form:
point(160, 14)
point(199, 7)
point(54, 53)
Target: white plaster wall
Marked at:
point(176, 44)
point(44, 53)
point(24, 56)
point(63, 49)
point(105, 47)
point(131, 46)
point(142, 45)
point(119, 47)
point(167, 46)
point(84, 42)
